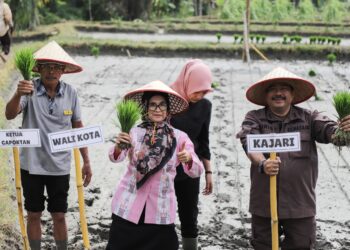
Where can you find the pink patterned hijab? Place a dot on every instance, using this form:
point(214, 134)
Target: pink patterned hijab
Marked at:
point(195, 76)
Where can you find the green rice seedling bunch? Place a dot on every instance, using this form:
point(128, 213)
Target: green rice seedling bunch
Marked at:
point(312, 73)
point(341, 102)
point(331, 58)
point(24, 61)
point(235, 37)
point(128, 113)
point(215, 85)
point(218, 37)
point(95, 51)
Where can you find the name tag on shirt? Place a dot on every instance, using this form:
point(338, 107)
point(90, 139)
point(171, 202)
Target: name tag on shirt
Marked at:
point(68, 112)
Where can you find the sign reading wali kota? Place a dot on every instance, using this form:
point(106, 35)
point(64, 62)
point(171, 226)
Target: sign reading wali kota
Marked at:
point(20, 138)
point(75, 138)
point(266, 143)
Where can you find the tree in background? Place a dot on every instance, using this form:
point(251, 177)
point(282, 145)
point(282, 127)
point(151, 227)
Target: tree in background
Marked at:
point(25, 13)
point(333, 11)
point(306, 10)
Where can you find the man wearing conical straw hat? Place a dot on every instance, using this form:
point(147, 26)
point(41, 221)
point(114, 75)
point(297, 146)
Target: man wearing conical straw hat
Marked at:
point(51, 105)
point(296, 172)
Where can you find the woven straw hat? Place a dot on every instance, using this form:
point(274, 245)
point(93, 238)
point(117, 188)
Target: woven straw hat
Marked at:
point(177, 103)
point(53, 53)
point(302, 89)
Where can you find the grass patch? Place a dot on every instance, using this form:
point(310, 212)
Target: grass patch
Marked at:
point(210, 28)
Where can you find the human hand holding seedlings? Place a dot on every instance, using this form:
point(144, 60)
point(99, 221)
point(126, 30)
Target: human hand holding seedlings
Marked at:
point(128, 113)
point(122, 138)
point(271, 167)
point(345, 124)
point(341, 102)
point(24, 87)
point(24, 61)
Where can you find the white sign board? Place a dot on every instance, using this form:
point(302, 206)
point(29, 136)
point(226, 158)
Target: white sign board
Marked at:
point(20, 138)
point(75, 138)
point(266, 143)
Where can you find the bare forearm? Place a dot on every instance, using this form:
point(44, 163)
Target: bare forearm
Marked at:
point(83, 151)
point(13, 107)
point(256, 158)
point(85, 154)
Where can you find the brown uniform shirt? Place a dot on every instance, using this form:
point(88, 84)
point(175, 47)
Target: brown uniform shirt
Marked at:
point(298, 173)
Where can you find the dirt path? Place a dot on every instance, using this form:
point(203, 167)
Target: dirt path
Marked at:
point(224, 219)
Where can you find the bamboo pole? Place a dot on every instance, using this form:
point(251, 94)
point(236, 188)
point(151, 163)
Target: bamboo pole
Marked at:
point(246, 55)
point(273, 205)
point(259, 52)
point(19, 197)
point(79, 180)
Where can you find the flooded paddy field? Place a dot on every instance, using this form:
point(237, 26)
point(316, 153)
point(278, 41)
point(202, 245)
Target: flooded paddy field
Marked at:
point(224, 220)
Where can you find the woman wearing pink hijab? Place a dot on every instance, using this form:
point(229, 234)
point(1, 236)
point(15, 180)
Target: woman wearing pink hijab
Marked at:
point(193, 83)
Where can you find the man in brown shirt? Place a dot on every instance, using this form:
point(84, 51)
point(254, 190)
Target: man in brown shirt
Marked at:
point(297, 172)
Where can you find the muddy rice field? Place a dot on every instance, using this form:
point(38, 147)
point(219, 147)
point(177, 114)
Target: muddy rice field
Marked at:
point(224, 219)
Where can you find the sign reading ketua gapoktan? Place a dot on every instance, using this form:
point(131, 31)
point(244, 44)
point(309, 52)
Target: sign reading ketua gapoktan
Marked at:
point(20, 138)
point(280, 142)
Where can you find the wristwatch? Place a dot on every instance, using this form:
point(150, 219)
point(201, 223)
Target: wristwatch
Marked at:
point(261, 167)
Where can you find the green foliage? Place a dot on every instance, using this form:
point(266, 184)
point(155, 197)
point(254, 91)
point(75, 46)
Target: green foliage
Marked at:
point(306, 10)
point(95, 51)
point(333, 11)
point(281, 9)
point(231, 9)
point(341, 102)
point(312, 73)
point(24, 61)
point(331, 58)
point(128, 113)
point(186, 9)
point(236, 37)
point(215, 85)
point(218, 36)
point(260, 10)
point(162, 7)
point(26, 14)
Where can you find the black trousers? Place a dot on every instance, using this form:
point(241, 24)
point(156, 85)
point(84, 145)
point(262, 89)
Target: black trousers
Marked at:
point(6, 42)
point(187, 192)
point(125, 235)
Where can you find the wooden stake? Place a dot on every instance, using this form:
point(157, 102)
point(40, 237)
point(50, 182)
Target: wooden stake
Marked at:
point(19, 197)
point(246, 55)
point(79, 180)
point(259, 52)
point(273, 205)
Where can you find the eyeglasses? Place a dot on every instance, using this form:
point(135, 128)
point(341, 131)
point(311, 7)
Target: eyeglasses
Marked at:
point(162, 106)
point(52, 66)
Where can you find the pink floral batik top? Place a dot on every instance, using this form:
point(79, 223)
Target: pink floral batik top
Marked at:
point(157, 194)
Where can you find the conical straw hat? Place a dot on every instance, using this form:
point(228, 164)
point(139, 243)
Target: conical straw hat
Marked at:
point(53, 52)
point(302, 89)
point(177, 103)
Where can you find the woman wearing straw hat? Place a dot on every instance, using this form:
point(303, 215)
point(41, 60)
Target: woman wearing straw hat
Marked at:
point(51, 105)
point(193, 83)
point(296, 172)
point(144, 205)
